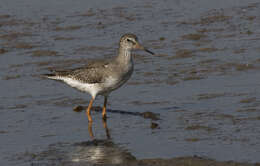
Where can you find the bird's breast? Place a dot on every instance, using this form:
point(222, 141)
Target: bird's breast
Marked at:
point(115, 81)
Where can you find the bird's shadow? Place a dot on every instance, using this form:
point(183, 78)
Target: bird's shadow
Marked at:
point(146, 115)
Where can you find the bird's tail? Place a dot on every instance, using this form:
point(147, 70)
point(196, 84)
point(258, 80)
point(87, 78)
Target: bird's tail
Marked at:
point(51, 76)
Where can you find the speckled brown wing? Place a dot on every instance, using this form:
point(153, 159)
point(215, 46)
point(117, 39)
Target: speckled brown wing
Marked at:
point(92, 73)
point(87, 75)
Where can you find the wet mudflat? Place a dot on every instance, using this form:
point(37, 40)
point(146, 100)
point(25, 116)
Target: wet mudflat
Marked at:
point(198, 96)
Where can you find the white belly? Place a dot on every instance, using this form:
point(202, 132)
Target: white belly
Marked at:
point(92, 89)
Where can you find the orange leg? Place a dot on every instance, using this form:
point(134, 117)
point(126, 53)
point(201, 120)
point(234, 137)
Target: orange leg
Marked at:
point(104, 109)
point(89, 109)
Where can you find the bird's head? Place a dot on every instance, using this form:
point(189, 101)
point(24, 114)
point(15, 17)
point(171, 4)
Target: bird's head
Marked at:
point(130, 42)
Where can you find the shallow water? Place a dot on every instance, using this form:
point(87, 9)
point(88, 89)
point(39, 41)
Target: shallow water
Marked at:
point(203, 80)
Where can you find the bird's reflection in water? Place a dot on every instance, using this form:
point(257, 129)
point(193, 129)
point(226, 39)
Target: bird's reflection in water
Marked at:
point(101, 151)
point(90, 131)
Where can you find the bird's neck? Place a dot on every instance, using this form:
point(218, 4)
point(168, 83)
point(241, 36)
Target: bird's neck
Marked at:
point(124, 55)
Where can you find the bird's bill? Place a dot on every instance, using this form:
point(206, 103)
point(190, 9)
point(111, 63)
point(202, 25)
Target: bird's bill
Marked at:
point(139, 46)
point(148, 51)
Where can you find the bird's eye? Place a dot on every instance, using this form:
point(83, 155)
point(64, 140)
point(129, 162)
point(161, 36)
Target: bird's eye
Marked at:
point(131, 41)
